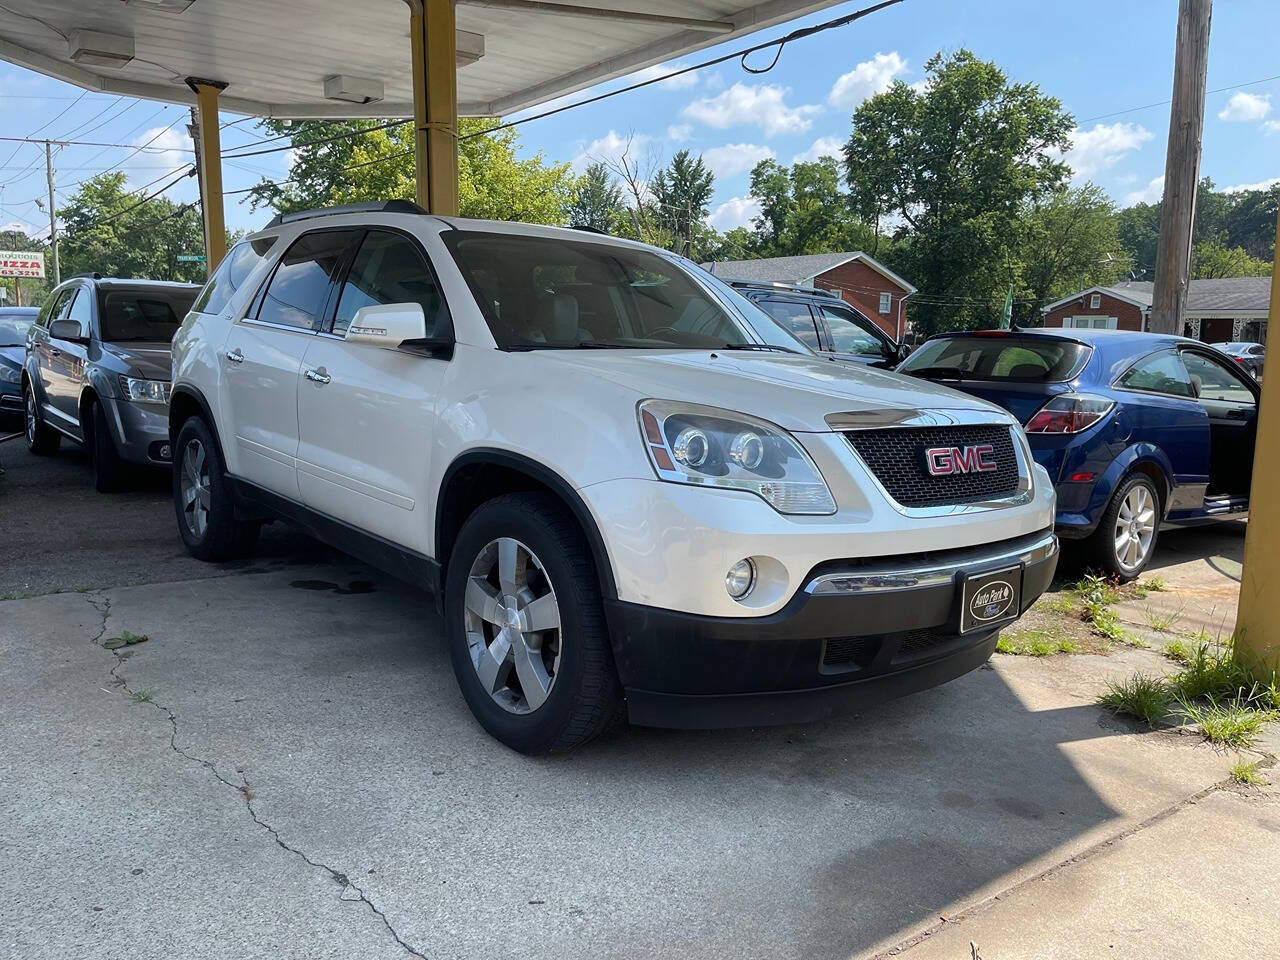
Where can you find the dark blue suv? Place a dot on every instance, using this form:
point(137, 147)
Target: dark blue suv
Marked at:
point(1138, 430)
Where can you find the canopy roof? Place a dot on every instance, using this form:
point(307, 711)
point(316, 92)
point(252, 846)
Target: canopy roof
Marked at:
point(275, 55)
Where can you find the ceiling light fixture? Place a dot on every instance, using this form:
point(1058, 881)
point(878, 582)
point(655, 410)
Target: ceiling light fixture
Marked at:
point(99, 49)
point(352, 89)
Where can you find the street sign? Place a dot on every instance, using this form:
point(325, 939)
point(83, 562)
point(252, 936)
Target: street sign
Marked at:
point(191, 258)
point(21, 263)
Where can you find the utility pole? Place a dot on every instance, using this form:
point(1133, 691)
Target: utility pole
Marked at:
point(53, 211)
point(1181, 167)
point(193, 128)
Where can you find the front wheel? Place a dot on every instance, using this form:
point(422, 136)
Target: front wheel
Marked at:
point(1126, 536)
point(109, 471)
point(526, 627)
point(207, 520)
point(41, 440)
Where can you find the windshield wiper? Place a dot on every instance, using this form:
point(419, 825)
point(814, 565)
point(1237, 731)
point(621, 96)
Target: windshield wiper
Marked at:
point(771, 347)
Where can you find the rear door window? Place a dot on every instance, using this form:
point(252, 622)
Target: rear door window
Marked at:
point(795, 317)
point(1161, 372)
point(299, 289)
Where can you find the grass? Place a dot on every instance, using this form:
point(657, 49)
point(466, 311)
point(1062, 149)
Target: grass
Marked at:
point(1246, 773)
point(1179, 651)
point(1163, 621)
point(1034, 643)
point(141, 696)
point(1145, 697)
point(1212, 672)
point(1233, 723)
point(1152, 585)
point(127, 638)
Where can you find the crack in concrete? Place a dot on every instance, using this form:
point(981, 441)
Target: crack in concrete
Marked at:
point(1088, 853)
point(242, 789)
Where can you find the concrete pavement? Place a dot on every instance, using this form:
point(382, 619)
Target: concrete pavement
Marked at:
point(285, 769)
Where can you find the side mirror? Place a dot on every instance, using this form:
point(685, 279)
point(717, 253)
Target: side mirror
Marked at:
point(901, 352)
point(388, 325)
point(68, 330)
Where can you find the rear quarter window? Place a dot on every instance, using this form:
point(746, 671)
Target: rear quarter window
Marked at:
point(231, 274)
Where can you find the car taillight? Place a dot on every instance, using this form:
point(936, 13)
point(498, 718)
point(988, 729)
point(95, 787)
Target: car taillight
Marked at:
point(1238, 359)
point(1069, 413)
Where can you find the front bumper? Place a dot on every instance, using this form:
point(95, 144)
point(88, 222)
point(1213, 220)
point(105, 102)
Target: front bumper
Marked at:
point(859, 633)
point(140, 430)
point(11, 403)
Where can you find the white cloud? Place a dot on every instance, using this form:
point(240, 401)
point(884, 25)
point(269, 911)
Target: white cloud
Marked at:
point(1242, 187)
point(822, 147)
point(866, 80)
point(1245, 107)
point(14, 226)
point(680, 131)
point(735, 158)
point(1102, 147)
point(734, 212)
point(169, 148)
point(920, 86)
point(764, 106)
point(1272, 126)
point(1151, 193)
point(610, 148)
point(682, 82)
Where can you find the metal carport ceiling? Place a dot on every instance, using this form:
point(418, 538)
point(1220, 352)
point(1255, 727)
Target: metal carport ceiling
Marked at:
point(274, 55)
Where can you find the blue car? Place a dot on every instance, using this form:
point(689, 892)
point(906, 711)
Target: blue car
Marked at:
point(1138, 430)
point(14, 322)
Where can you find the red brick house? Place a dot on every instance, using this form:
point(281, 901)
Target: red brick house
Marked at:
point(1219, 310)
point(868, 286)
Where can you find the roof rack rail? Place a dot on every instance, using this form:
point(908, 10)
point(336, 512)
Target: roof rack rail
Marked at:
point(782, 285)
point(84, 276)
point(371, 206)
point(585, 229)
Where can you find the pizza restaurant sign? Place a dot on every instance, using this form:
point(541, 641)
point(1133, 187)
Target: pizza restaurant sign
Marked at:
point(20, 263)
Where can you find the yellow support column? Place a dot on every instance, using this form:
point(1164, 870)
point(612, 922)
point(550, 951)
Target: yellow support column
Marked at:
point(432, 33)
point(210, 160)
point(1258, 623)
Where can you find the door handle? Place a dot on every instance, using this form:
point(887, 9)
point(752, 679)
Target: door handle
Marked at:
point(55, 352)
point(235, 356)
point(318, 376)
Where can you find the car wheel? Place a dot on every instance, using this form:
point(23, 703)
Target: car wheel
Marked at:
point(41, 440)
point(109, 471)
point(1126, 536)
point(526, 627)
point(207, 519)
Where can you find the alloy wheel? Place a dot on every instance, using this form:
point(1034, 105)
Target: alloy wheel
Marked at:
point(31, 417)
point(194, 488)
point(1135, 527)
point(512, 621)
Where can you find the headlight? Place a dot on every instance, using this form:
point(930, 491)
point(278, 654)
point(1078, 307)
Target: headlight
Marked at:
point(10, 374)
point(147, 391)
point(690, 443)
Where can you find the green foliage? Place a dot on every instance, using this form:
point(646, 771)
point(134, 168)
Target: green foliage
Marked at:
point(1211, 259)
point(1141, 696)
point(494, 182)
point(803, 210)
point(1232, 723)
point(958, 163)
point(681, 197)
point(1034, 643)
point(1245, 773)
point(127, 638)
point(106, 229)
point(597, 201)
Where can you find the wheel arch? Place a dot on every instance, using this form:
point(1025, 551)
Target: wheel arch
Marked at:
point(479, 475)
point(186, 401)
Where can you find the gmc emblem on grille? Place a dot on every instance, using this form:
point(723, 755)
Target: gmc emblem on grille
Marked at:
point(945, 461)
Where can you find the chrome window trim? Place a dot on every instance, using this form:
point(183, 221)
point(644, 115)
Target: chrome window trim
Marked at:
point(891, 574)
point(271, 325)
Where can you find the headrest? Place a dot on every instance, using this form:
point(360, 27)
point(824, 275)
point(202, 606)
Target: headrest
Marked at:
point(558, 318)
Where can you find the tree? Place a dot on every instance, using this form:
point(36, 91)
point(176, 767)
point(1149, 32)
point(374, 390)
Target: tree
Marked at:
point(34, 289)
point(803, 210)
point(682, 196)
point(1069, 242)
point(1138, 228)
point(493, 181)
point(1251, 222)
point(598, 200)
point(110, 230)
point(957, 163)
point(1211, 259)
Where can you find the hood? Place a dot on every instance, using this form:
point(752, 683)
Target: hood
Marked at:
point(145, 361)
point(796, 392)
point(13, 355)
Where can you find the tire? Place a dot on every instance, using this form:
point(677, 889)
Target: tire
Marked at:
point(110, 473)
point(1126, 558)
point(207, 520)
point(41, 440)
point(574, 694)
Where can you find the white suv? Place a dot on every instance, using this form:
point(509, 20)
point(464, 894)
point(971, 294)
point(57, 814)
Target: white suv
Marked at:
point(624, 482)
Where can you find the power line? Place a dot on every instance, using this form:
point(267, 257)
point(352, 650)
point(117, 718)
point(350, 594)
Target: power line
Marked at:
point(1162, 103)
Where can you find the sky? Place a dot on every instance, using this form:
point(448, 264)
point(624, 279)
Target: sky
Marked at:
point(1110, 63)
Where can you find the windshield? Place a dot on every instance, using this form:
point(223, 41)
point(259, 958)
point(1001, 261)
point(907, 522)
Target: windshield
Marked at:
point(151, 314)
point(1025, 359)
point(555, 293)
point(13, 331)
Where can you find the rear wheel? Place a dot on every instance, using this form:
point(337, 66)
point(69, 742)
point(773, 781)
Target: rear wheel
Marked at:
point(109, 471)
point(526, 627)
point(207, 520)
point(41, 440)
point(1126, 536)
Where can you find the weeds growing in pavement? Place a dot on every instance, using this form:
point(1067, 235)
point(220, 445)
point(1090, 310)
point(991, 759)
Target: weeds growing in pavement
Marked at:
point(1033, 643)
point(1246, 773)
point(1141, 696)
point(1232, 723)
point(1152, 585)
point(1163, 621)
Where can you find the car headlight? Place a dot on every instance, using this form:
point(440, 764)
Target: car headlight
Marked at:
point(9, 374)
point(147, 391)
point(705, 446)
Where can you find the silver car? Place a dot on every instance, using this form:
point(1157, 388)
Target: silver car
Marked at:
point(97, 370)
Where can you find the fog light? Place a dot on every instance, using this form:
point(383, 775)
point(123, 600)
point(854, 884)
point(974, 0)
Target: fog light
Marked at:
point(740, 579)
